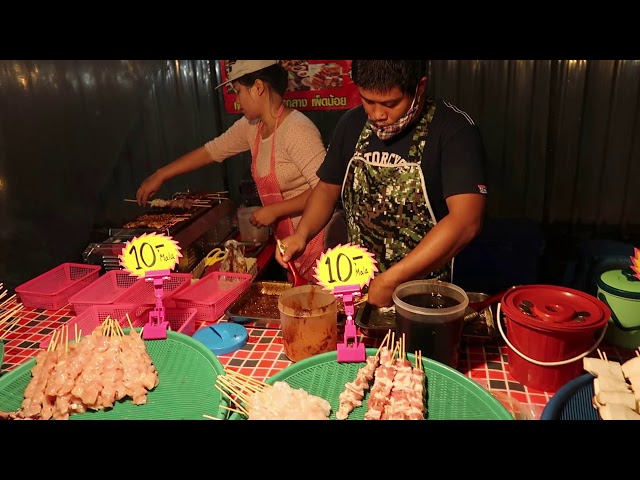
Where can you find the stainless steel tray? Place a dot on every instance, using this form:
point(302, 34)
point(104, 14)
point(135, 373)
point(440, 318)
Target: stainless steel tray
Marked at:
point(258, 304)
point(374, 321)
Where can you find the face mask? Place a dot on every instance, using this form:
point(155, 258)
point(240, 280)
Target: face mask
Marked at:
point(388, 131)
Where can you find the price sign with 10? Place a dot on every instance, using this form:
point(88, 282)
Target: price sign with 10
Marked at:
point(149, 253)
point(343, 265)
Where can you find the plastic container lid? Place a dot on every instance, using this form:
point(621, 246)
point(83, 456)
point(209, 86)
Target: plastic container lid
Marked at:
point(550, 307)
point(223, 338)
point(621, 283)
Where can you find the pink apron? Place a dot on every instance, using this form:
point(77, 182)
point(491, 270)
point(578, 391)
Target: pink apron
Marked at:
point(270, 193)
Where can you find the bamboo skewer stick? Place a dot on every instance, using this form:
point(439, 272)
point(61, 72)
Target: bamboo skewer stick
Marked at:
point(384, 342)
point(226, 394)
point(6, 302)
point(239, 410)
point(10, 313)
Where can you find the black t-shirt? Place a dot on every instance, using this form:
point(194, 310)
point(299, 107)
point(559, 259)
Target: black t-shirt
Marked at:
point(453, 155)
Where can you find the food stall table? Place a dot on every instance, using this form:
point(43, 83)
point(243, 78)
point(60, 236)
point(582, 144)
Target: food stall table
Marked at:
point(263, 356)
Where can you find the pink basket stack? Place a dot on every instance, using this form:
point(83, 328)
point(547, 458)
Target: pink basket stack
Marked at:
point(212, 294)
point(52, 289)
point(104, 291)
point(119, 287)
point(143, 293)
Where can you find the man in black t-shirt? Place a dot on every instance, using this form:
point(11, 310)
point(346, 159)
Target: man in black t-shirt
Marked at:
point(410, 172)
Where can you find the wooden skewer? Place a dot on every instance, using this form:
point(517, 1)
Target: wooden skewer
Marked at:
point(604, 354)
point(210, 417)
point(226, 394)
point(383, 343)
point(8, 328)
point(6, 302)
point(195, 203)
point(10, 313)
point(234, 390)
point(247, 378)
point(239, 410)
point(600, 354)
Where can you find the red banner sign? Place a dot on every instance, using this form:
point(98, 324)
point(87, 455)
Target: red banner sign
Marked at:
point(313, 85)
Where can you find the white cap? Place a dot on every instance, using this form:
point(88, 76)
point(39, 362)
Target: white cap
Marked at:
point(242, 67)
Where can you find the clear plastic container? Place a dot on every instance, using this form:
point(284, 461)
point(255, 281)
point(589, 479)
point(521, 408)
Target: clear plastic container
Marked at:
point(248, 232)
point(309, 320)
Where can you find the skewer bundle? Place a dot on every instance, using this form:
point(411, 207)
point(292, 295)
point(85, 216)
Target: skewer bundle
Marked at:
point(5, 316)
point(91, 374)
point(397, 392)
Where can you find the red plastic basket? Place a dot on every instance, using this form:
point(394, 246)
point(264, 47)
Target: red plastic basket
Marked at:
point(105, 290)
point(181, 320)
point(212, 294)
point(92, 317)
point(52, 289)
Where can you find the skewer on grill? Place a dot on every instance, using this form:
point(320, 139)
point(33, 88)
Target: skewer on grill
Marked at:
point(181, 203)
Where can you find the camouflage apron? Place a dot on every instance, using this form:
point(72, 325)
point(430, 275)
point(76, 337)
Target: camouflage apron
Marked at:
point(387, 207)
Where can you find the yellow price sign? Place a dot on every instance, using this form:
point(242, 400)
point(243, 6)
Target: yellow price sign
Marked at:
point(149, 252)
point(345, 265)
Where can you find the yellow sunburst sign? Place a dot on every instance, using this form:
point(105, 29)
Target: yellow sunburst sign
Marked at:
point(149, 252)
point(635, 262)
point(345, 265)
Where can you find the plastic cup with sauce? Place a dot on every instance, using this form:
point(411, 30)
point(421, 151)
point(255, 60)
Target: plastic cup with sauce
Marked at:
point(430, 314)
point(309, 321)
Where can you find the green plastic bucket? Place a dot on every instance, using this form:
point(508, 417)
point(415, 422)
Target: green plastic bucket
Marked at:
point(620, 290)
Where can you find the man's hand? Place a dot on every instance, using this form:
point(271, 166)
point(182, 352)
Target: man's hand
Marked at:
point(293, 246)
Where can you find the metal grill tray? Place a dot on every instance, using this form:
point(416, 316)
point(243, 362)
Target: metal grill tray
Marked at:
point(259, 303)
point(450, 395)
point(187, 371)
point(375, 322)
point(573, 401)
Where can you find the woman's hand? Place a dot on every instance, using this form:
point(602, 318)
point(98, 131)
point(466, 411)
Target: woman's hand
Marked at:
point(263, 217)
point(148, 188)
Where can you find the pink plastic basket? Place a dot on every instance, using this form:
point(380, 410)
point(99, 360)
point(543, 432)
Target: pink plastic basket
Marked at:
point(143, 293)
point(105, 290)
point(181, 320)
point(212, 294)
point(92, 317)
point(52, 289)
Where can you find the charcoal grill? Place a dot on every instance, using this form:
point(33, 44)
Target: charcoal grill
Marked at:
point(204, 229)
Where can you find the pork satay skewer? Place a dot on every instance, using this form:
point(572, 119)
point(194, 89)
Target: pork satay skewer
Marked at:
point(351, 397)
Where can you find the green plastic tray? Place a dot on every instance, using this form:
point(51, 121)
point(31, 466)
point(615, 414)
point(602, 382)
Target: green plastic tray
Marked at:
point(187, 371)
point(450, 394)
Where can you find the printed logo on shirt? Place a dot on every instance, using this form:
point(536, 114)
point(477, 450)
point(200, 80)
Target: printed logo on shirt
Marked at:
point(482, 189)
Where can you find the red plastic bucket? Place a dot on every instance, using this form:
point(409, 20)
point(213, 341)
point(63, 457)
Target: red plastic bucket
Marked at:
point(549, 330)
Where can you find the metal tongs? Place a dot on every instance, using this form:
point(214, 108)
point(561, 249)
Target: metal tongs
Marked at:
point(298, 280)
point(349, 350)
